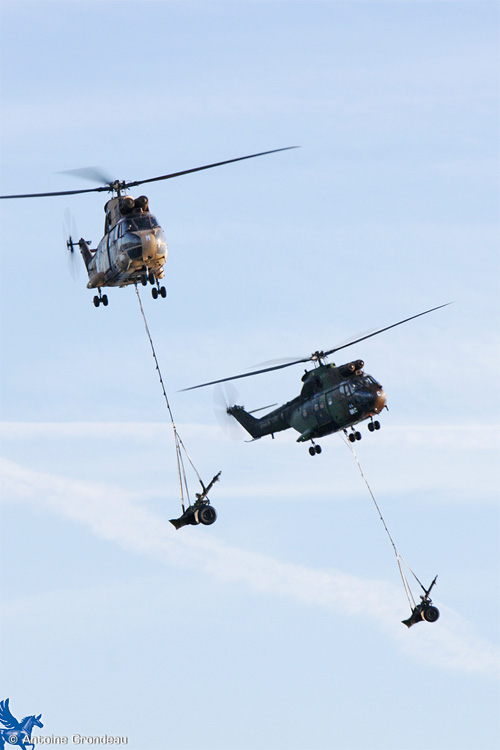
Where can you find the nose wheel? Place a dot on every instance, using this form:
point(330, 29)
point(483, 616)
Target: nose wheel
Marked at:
point(353, 436)
point(148, 277)
point(314, 449)
point(101, 298)
point(374, 426)
point(158, 291)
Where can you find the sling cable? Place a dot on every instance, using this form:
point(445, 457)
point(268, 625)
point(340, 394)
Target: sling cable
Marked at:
point(200, 511)
point(425, 610)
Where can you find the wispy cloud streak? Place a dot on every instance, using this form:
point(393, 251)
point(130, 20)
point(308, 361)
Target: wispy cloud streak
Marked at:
point(114, 514)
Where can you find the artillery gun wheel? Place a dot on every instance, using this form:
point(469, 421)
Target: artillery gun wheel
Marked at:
point(207, 515)
point(431, 614)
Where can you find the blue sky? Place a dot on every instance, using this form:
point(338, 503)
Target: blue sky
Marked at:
point(278, 628)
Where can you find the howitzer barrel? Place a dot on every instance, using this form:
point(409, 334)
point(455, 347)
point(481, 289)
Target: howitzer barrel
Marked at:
point(428, 591)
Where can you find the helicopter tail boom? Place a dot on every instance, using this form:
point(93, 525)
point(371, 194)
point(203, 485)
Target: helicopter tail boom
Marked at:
point(251, 424)
point(268, 425)
point(85, 251)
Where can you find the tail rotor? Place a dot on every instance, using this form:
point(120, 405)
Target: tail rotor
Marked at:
point(225, 396)
point(70, 237)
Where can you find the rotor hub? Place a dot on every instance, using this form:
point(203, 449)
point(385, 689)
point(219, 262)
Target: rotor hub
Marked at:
point(118, 186)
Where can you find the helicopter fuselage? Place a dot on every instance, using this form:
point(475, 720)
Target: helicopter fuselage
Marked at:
point(133, 248)
point(332, 399)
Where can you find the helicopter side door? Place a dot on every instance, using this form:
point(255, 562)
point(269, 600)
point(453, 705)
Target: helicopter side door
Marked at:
point(113, 245)
point(102, 256)
point(320, 410)
point(346, 391)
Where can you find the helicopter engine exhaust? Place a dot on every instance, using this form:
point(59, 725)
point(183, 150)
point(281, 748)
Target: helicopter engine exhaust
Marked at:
point(142, 203)
point(351, 368)
point(129, 204)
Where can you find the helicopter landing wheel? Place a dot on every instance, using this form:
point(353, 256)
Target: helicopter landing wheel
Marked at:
point(144, 279)
point(352, 437)
point(357, 436)
point(163, 292)
point(151, 277)
point(314, 449)
point(97, 301)
point(376, 425)
point(104, 300)
point(154, 292)
point(371, 426)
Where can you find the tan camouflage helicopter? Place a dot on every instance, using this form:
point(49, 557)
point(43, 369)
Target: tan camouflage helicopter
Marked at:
point(133, 249)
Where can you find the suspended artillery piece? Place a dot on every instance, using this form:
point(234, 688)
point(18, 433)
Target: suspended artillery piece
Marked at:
point(423, 611)
point(201, 511)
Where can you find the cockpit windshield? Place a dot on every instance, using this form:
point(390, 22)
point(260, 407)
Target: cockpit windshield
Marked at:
point(145, 221)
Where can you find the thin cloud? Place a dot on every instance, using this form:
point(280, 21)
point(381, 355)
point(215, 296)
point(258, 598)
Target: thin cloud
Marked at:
point(111, 513)
point(444, 474)
point(457, 436)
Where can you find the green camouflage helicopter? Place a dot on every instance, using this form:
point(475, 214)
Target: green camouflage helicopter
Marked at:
point(133, 249)
point(333, 398)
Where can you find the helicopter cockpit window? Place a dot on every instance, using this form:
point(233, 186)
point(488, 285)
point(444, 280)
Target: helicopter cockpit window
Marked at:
point(143, 222)
point(345, 389)
point(368, 380)
point(132, 244)
point(124, 227)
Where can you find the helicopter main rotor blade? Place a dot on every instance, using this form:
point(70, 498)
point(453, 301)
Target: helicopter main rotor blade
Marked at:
point(375, 333)
point(317, 356)
point(248, 374)
point(94, 174)
point(60, 192)
point(122, 185)
point(207, 166)
point(262, 408)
